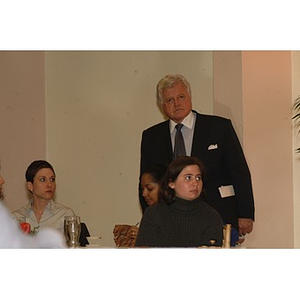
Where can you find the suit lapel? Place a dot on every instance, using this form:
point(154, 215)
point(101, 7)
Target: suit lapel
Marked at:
point(201, 132)
point(166, 141)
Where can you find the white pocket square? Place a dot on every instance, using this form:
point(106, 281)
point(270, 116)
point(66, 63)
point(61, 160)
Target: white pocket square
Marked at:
point(212, 147)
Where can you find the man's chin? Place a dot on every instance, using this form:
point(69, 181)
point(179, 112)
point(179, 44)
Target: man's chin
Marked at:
point(179, 116)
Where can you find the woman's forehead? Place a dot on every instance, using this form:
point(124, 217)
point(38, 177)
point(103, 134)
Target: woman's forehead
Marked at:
point(191, 169)
point(45, 172)
point(147, 177)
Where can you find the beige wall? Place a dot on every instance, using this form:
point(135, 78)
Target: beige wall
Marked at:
point(111, 95)
point(228, 87)
point(254, 90)
point(22, 119)
point(296, 144)
point(268, 145)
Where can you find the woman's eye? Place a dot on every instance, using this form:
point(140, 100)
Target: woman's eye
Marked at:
point(188, 177)
point(199, 178)
point(52, 179)
point(42, 179)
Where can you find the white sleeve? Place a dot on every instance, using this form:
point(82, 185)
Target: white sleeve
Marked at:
point(11, 236)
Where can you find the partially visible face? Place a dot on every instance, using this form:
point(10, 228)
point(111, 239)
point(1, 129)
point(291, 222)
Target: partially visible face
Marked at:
point(44, 185)
point(1, 183)
point(149, 189)
point(188, 184)
point(177, 102)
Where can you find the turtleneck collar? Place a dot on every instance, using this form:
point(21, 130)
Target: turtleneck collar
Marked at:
point(186, 205)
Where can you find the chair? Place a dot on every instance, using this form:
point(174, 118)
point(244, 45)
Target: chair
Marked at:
point(83, 234)
point(226, 236)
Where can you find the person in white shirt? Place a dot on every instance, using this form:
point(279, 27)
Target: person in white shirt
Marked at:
point(42, 211)
point(11, 236)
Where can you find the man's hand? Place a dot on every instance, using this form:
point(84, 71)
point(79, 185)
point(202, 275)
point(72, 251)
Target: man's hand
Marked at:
point(245, 225)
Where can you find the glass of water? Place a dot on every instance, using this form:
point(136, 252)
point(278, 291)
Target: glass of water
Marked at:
point(72, 228)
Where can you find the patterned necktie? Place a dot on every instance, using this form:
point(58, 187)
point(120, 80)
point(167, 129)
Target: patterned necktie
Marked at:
point(179, 148)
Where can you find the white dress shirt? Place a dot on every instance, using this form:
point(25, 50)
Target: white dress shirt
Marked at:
point(52, 217)
point(11, 236)
point(187, 132)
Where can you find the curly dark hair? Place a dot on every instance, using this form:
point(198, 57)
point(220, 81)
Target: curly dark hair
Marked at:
point(156, 172)
point(166, 193)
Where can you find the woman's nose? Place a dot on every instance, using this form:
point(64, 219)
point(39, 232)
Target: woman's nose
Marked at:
point(195, 181)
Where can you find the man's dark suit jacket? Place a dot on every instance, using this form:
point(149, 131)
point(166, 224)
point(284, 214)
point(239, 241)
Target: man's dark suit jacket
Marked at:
point(216, 144)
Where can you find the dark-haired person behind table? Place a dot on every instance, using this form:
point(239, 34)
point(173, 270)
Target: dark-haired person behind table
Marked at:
point(181, 218)
point(42, 210)
point(11, 236)
point(125, 235)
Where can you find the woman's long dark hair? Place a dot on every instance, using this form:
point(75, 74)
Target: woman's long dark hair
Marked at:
point(165, 192)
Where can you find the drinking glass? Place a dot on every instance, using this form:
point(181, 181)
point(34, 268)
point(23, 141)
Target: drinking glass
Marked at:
point(72, 228)
point(66, 229)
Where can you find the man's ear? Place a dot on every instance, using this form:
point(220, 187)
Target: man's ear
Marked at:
point(30, 186)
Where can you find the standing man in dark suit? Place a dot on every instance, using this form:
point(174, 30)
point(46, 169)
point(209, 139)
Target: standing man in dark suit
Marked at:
point(210, 138)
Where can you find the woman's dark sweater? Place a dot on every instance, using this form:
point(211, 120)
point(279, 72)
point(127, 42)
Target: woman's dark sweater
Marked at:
point(181, 224)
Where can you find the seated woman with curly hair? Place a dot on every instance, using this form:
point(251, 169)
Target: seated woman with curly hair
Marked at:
point(125, 235)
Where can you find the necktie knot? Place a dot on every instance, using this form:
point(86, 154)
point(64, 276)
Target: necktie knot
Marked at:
point(179, 126)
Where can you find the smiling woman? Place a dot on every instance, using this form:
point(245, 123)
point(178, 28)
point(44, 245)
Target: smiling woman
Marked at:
point(42, 211)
